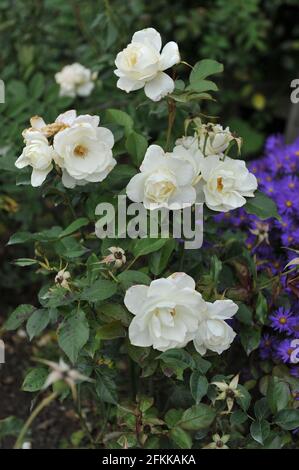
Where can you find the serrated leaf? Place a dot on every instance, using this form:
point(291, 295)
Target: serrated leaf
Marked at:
point(262, 206)
point(35, 379)
point(197, 417)
point(100, 290)
point(260, 430)
point(111, 330)
point(73, 334)
point(131, 277)
point(18, 316)
point(136, 146)
point(37, 322)
point(204, 68)
point(106, 389)
point(198, 386)
point(181, 438)
point(74, 227)
point(144, 246)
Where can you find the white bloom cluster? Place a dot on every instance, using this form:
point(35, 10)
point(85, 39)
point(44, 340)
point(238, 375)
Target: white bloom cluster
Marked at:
point(75, 80)
point(170, 312)
point(76, 144)
point(186, 175)
point(141, 64)
point(163, 181)
point(222, 183)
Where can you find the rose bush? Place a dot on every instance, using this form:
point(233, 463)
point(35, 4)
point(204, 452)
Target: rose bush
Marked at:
point(159, 342)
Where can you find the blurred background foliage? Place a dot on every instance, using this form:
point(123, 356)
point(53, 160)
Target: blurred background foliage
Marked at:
point(256, 40)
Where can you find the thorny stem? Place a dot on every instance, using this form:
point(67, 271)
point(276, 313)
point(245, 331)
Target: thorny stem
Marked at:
point(43, 404)
point(171, 118)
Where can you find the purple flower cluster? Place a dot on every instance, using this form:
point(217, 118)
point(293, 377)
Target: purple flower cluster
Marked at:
point(277, 173)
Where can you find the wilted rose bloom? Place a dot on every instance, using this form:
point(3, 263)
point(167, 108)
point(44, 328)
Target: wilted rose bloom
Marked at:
point(62, 278)
point(75, 80)
point(164, 181)
point(38, 154)
point(167, 313)
point(84, 149)
point(141, 64)
point(213, 332)
point(213, 139)
point(116, 257)
point(226, 183)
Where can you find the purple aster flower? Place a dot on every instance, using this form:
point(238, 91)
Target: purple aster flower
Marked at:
point(266, 346)
point(281, 320)
point(287, 200)
point(294, 327)
point(284, 350)
point(294, 372)
point(295, 394)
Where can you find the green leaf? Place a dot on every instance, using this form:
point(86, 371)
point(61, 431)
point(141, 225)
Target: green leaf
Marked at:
point(130, 278)
point(24, 262)
point(245, 398)
point(178, 360)
point(198, 386)
point(73, 334)
point(181, 438)
point(19, 237)
point(203, 85)
point(204, 68)
point(114, 312)
point(262, 206)
point(136, 146)
point(173, 416)
point(250, 338)
point(260, 430)
point(158, 261)
point(37, 322)
point(121, 118)
point(111, 330)
point(74, 227)
point(238, 417)
point(198, 417)
point(278, 395)
point(287, 419)
point(18, 316)
point(144, 246)
point(261, 308)
point(244, 315)
point(202, 364)
point(35, 379)
point(100, 290)
point(261, 409)
point(36, 86)
point(10, 426)
point(106, 389)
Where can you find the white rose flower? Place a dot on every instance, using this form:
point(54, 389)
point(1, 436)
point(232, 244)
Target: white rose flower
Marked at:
point(38, 154)
point(187, 150)
point(75, 80)
point(213, 332)
point(167, 313)
point(141, 64)
point(213, 139)
point(84, 150)
point(163, 182)
point(226, 182)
